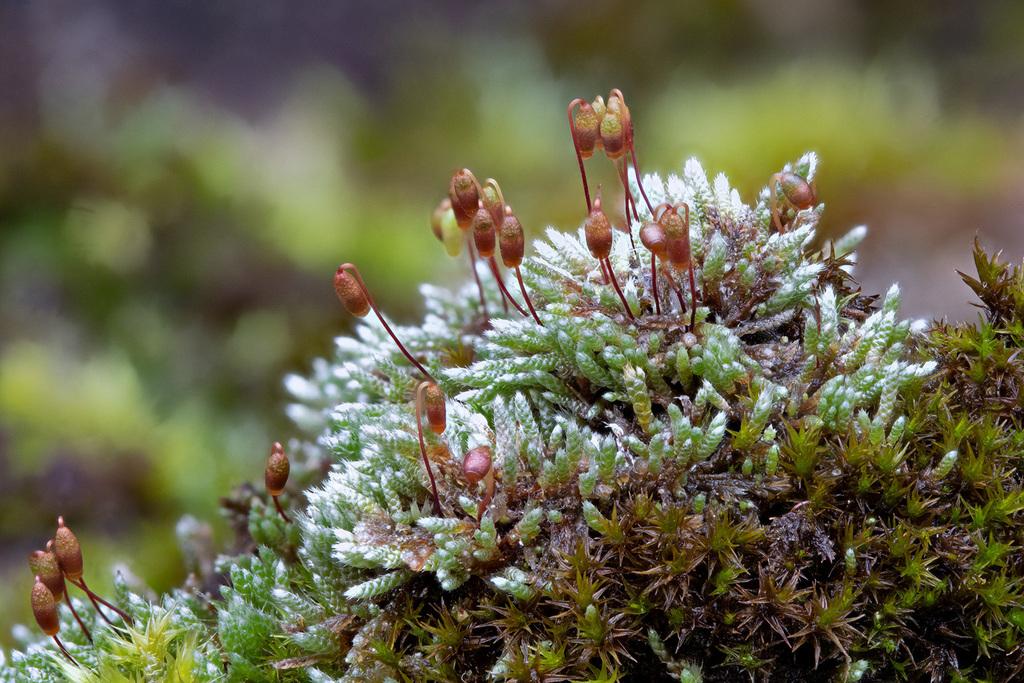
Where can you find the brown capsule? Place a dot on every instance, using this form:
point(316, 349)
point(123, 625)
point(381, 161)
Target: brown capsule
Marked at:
point(598, 230)
point(477, 464)
point(798, 191)
point(678, 253)
point(437, 218)
point(677, 238)
point(617, 103)
point(44, 565)
point(276, 474)
point(653, 237)
point(44, 607)
point(586, 129)
point(433, 401)
point(464, 193)
point(493, 201)
point(483, 232)
point(68, 551)
point(350, 293)
point(613, 130)
point(673, 224)
point(511, 240)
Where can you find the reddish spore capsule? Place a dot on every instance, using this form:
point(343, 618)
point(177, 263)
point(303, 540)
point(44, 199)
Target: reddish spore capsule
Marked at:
point(586, 127)
point(464, 193)
point(45, 566)
point(483, 232)
point(434, 406)
point(493, 201)
point(677, 238)
point(613, 135)
point(511, 240)
point(352, 296)
point(476, 467)
point(278, 468)
point(797, 191)
point(598, 230)
point(68, 551)
point(477, 464)
point(44, 608)
point(652, 236)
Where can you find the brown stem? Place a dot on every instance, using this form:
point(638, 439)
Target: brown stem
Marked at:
point(618, 290)
point(630, 201)
point(689, 266)
point(471, 251)
point(579, 157)
point(526, 296)
point(88, 635)
point(64, 650)
point(504, 290)
point(621, 165)
point(604, 272)
point(639, 181)
point(654, 284)
point(773, 203)
point(99, 611)
point(96, 598)
point(373, 305)
point(280, 510)
point(506, 297)
point(501, 286)
point(486, 500)
point(423, 447)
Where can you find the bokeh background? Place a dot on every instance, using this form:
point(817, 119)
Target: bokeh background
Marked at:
point(179, 179)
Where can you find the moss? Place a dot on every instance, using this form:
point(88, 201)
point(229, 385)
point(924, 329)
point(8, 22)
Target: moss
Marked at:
point(796, 486)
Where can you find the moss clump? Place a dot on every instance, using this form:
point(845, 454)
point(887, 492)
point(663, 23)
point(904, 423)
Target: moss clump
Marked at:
point(795, 487)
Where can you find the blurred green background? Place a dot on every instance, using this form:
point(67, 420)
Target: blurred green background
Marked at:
point(179, 179)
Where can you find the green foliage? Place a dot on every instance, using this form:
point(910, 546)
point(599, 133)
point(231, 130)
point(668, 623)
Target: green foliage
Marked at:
point(800, 482)
point(169, 640)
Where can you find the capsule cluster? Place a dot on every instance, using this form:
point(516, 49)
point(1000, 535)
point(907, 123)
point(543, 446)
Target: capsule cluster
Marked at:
point(480, 212)
point(608, 126)
point(601, 125)
point(53, 568)
point(476, 215)
point(479, 216)
point(667, 237)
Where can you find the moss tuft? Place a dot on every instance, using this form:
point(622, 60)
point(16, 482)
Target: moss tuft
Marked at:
point(795, 485)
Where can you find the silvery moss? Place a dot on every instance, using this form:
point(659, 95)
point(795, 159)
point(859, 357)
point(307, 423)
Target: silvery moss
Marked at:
point(798, 488)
